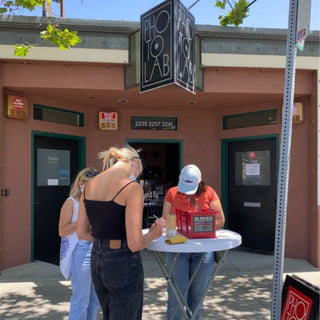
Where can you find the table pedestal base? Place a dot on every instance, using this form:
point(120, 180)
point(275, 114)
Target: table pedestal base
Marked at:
point(167, 272)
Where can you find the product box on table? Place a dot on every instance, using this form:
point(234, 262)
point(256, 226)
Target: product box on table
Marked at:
point(197, 224)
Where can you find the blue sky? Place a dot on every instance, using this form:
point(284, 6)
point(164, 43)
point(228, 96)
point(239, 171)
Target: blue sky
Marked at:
point(263, 13)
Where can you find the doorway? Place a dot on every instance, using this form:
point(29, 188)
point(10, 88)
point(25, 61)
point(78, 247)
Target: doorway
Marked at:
point(251, 191)
point(161, 160)
point(56, 162)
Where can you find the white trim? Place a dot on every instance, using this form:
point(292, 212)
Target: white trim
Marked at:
point(256, 61)
point(73, 54)
point(122, 56)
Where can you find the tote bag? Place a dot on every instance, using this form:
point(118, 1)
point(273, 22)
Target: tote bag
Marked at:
point(68, 244)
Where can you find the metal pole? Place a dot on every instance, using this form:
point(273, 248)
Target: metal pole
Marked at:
point(61, 9)
point(284, 164)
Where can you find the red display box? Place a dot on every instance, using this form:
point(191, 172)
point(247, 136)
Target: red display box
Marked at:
point(197, 224)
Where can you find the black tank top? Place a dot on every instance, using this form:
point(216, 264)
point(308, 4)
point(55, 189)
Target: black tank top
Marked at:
point(107, 218)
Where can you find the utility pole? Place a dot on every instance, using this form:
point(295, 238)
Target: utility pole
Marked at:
point(298, 24)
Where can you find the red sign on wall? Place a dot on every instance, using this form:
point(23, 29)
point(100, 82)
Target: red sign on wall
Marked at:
point(108, 120)
point(17, 107)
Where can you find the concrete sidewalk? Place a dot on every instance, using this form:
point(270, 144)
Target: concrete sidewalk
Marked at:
point(241, 290)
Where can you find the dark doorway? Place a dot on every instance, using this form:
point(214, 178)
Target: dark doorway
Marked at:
point(56, 163)
point(252, 192)
point(161, 162)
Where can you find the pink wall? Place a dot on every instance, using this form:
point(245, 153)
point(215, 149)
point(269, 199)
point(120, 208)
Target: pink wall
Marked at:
point(199, 126)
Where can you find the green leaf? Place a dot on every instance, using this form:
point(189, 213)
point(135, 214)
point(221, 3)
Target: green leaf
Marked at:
point(221, 4)
point(62, 38)
point(236, 15)
point(50, 28)
point(21, 50)
point(29, 4)
point(6, 6)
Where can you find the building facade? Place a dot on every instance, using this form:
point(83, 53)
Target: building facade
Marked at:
point(59, 109)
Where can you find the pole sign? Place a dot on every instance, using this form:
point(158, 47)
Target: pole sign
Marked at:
point(167, 47)
point(303, 22)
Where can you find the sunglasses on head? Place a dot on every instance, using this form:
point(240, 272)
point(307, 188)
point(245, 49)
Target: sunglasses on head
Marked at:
point(90, 174)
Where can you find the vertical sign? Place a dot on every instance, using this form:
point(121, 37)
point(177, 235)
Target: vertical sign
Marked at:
point(167, 47)
point(157, 47)
point(184, 47)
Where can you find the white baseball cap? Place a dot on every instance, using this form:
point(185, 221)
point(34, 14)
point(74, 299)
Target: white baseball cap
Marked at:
point(189, 179)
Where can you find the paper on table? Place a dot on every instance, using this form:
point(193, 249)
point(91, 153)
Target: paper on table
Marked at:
point(176, 239)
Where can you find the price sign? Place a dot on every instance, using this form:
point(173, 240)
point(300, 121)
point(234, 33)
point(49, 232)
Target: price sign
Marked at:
point(203, 224)
point(154, 123)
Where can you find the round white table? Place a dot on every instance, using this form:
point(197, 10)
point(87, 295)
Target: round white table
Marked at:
point(224, 241)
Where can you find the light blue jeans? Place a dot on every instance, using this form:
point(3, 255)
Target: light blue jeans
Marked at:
point(84, 303)
point(182, 271)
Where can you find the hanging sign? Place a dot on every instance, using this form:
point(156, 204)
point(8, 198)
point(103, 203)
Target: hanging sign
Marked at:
point(184, 62)
point(167, 47)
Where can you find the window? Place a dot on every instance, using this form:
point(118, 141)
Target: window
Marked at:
point(50, 114)
point(53, 167)
point(259, 118)
point(253, 168)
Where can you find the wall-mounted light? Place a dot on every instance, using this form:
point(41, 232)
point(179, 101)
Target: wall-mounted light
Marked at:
point(297, 116)
point(122, 100)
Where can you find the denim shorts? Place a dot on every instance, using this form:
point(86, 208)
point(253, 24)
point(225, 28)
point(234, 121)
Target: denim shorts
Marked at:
point(117, 275)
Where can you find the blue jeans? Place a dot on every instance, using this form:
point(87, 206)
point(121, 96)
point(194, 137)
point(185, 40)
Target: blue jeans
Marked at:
point(84, 303)
point(118, 279)
point(182, 272)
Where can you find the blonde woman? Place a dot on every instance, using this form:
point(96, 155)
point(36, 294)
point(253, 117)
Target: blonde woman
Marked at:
point(75, 253)
point(111, 216)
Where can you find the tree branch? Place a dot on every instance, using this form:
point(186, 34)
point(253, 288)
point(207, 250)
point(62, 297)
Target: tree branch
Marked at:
point(230, 4)
point(250, 3)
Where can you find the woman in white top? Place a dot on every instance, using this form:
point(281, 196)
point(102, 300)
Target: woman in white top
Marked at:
point(75, 253)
